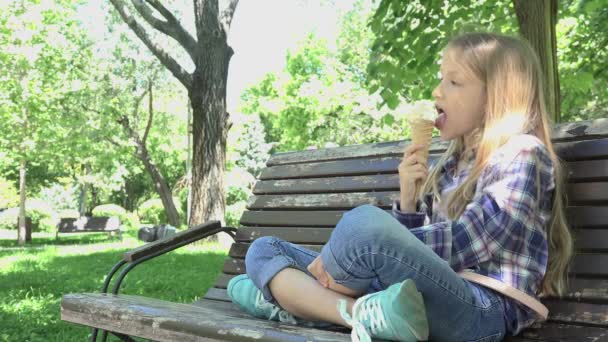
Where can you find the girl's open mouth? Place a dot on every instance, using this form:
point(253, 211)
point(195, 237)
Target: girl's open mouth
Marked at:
point(441, 118)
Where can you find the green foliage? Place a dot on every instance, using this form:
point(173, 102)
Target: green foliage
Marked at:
point(60, 197)
point(127, 219)
point(247, 148)
point(8, 194)
point(153, 212)
point(109, 210)
point(234, 212)
point(44, 218)
point(318, 105)
point(581, 39)
point(409, 38)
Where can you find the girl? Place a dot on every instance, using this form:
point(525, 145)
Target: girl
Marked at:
point(469, 260)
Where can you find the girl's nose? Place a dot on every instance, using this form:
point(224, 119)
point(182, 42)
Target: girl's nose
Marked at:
point(436, 92)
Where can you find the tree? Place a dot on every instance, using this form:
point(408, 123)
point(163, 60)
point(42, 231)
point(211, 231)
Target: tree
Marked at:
point(412, 35)
point(206, 86)
point(42, 57)
point(537, 20)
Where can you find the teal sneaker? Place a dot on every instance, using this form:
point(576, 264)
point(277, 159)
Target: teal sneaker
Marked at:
point(249, 298)
point(397, 314)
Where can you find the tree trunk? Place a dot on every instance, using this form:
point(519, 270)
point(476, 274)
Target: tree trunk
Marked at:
point(22, 235)
point(162, 188)
point(537, 20)
point(84, 188)
point(210, 129)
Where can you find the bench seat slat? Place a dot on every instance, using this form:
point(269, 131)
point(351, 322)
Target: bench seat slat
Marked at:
point(558, 332)
point(162, 320)
point(559, 311)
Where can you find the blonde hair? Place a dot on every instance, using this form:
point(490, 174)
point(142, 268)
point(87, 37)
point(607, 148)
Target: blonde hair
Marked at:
point(515, 104)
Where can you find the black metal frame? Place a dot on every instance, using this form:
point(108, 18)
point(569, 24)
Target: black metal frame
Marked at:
point(228, 230)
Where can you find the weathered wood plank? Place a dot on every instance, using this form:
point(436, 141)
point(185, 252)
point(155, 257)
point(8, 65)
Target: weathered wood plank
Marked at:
point(559, 311)
point(347, 167)
point(166, 321)
point(594, 192)
point(232, 310)
point(334, 184)
point(578, 216)
point(585, 239)
point(583, 150)
point(292, 218)
point(589, 129)
point(580, 313)
point(583, 265)
point(587, 170)
point(578, 194)
point(322, 201)
point(299, 235)
point(587, 217)
point(577, 171)
point(556, 332)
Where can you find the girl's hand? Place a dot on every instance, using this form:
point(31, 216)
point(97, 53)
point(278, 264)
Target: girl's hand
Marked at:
point(318, 271)
point(411, 169)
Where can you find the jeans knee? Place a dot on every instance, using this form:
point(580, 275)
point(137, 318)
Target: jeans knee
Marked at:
point(260, 247)
point(364, 223)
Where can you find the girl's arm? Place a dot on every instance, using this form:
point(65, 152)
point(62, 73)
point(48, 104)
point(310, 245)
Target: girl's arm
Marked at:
point(414, 219)
point(504, 216)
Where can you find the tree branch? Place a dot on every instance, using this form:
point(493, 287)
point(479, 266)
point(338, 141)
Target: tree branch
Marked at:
point(150, 116)
point(206, 18)
point(228, 14)
point(182, 75)
point(171, 27)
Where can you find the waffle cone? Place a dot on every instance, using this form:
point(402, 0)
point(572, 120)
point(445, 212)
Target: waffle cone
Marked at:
point(421, 133)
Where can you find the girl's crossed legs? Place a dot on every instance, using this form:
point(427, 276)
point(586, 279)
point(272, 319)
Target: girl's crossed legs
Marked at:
point(368, 251)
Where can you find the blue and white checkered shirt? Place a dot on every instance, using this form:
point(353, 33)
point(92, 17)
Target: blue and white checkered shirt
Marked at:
point(501, 234)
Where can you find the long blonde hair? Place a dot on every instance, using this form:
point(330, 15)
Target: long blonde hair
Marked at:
point(515, 104)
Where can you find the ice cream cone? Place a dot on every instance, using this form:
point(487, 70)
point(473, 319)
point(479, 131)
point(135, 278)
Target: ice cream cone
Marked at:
point(421, 134)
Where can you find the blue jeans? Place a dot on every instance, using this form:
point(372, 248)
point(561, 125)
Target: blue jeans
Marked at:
point(370, 250)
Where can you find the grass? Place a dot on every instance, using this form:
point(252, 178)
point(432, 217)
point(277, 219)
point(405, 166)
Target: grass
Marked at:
point(33, 279)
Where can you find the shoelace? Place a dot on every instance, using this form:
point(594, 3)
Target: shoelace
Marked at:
point(284, 316)
point(363, 308)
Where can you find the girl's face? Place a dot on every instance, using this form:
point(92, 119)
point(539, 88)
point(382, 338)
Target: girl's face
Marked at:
point(460, 96)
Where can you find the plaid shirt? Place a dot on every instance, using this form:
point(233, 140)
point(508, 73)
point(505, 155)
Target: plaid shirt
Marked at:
point(500, 234)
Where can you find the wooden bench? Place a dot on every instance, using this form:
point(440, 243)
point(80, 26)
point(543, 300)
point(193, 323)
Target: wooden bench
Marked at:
point(110, 225)
point(302, 195)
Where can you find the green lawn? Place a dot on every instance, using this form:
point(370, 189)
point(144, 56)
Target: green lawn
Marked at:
point(33, 279)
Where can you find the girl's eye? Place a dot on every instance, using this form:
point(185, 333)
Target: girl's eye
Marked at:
point(453, 83)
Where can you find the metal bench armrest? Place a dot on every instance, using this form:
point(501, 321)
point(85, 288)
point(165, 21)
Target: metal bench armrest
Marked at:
point(178, 240)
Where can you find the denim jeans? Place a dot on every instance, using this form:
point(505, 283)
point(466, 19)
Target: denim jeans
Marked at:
point(370, 250)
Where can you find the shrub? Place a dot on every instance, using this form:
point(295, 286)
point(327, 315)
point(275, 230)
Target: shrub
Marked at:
point(233, 213)
point(127, 219)
point(44, 218)
point(60, 197)
point(9, 197)
point(153, 212)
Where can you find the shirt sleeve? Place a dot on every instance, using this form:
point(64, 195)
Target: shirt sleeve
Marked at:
point(410, 220)
point(498, 218)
